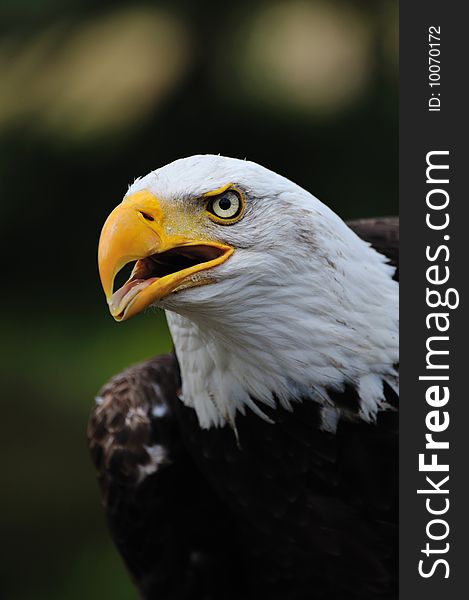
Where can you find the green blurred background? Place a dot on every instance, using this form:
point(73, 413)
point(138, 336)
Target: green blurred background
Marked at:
point(92, 95)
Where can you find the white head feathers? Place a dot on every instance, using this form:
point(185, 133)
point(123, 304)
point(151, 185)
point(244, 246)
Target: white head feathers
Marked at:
point(302, 306)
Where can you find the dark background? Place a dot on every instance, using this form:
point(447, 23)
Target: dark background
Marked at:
point(91, 96)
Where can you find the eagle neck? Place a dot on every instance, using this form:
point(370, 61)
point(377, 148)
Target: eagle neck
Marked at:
point(293, 347)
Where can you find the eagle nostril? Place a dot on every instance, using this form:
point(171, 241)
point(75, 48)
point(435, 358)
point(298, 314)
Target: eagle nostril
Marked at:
point(146, 216)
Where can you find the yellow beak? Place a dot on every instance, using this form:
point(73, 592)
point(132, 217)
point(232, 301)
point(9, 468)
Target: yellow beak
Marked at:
point(136, 231)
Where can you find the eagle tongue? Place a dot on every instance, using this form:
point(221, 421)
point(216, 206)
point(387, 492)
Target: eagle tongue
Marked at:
point(121, 298)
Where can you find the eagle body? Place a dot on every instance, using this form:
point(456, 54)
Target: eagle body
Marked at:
point(260, 457)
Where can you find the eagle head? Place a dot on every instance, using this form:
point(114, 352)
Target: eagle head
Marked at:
point(270, 297)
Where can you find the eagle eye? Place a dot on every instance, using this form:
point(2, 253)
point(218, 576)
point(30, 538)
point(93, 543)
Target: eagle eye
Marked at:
point(227, 207)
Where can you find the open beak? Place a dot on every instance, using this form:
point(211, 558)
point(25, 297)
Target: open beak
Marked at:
point(135, 231)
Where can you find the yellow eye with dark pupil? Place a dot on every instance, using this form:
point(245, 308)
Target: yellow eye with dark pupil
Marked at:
point(226, 206)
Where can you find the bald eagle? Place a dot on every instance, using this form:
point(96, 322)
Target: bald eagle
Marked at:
point(259, 459)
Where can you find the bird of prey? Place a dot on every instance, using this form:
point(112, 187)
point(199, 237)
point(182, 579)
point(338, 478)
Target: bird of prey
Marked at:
point(259, 459)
